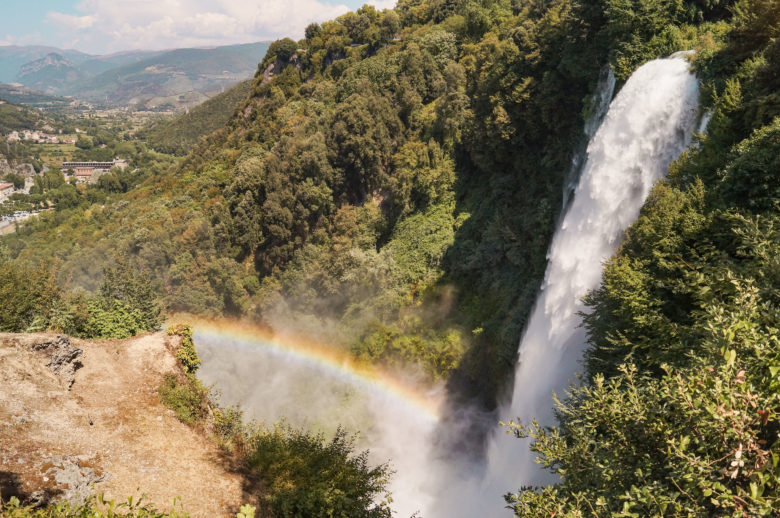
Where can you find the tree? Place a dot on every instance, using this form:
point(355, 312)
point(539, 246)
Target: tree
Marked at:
point(15, 179)
point(312, 31)
point(125, 305)
point(84, 142)
point(28, 296)
point(309, 476)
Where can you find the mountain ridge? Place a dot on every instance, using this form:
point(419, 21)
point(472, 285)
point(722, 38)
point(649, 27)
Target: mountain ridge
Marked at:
point(132, 77)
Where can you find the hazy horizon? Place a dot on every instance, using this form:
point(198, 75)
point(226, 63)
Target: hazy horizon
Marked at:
point(101, 27)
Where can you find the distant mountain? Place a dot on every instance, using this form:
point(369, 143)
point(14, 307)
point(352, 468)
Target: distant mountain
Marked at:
point(172, 78)
point(168, 75)
point(99, 64)
point(49, 73)
point(13, 58)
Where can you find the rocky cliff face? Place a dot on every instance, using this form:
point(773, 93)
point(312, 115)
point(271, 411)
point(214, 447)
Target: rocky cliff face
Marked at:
point(49, 72)
point(79, 418)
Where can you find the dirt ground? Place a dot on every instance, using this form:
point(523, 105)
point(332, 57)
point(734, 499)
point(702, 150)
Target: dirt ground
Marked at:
point(109, 428)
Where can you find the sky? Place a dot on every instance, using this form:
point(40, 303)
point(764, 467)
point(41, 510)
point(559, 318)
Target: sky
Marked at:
point(107, 26)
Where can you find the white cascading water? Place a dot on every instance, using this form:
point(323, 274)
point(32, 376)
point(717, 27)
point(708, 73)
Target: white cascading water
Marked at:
point(649, 124)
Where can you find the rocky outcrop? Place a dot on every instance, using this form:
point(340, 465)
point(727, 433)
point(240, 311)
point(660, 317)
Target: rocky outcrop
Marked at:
point(106, 433)
point(278, 65)
point(75, 477)
point(62, 357)
point(25, 170)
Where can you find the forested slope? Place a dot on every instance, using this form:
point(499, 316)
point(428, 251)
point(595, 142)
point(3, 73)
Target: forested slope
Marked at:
point(393, 186)
point(179, 135)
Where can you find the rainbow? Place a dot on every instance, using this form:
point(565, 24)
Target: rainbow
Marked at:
point(333, 360)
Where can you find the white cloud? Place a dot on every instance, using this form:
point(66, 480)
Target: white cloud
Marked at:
point(69, 20)
point(113, 25)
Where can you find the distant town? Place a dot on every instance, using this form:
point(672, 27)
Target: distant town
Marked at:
point(38, 137)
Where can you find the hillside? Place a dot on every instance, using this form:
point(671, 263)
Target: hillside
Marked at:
point(179, 135)
point(20, 94)
point(367, 185)
point(170, 74)
point(390, 187)
point(96, 65)
point(78, 412)
point(17, 117)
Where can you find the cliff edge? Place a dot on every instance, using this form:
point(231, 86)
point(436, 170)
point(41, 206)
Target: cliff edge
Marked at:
point(81, 417)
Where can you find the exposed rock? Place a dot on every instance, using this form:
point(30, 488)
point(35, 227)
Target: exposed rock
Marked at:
point(109, 430)
point(63, 358)
point(278, 65)
point(25, 170)
point(73, 482)
point(5, 167)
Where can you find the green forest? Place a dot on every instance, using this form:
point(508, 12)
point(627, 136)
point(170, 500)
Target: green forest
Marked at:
point(390, 184)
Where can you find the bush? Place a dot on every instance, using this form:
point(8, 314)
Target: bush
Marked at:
point(112, 319)
point(186, 353)
point(186, 396)
point(309, 476)
point(94, 508)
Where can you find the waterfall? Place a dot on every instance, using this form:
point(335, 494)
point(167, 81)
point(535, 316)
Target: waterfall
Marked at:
point(648, 125)
point(599, 103)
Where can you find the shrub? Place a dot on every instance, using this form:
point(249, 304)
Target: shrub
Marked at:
point(186, 396)
point(112, 319)
point(186, 352)
point(309, 476)
point(93, 508)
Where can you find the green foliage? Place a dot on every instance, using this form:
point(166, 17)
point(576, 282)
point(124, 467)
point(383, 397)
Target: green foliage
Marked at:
point(126, 284)
point(186, 396)
point(301, 474)
point(399, 179)
point(112, 319)
point(34, 301)
point(247, 511)
point(84, 142)
point(228, 426)
point(27, 294)
point(281, 50)
point(310, 476)
point(179, 135)
point(411, 342)
point(15, 117)
point(15, 179)
point(93, 508)
point(186, 353)
point(125, 305)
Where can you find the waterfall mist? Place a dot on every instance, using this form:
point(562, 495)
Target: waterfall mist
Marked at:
point(271, 385)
